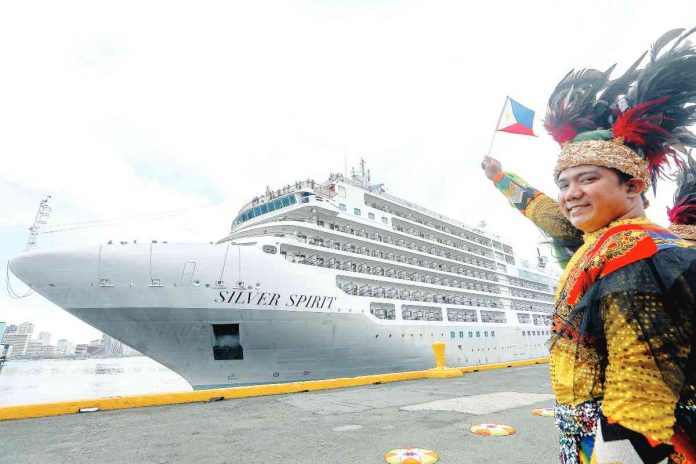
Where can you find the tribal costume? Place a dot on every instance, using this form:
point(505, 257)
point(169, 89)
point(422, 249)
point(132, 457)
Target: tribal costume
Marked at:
point(623, 343)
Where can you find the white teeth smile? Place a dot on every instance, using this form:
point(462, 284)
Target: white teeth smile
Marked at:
point(570, 210)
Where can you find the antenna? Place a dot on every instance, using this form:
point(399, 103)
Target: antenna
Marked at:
point(42, 215)
point(365, 180)
point(541, 260)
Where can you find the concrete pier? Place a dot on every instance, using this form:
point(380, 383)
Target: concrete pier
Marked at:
point(352, 425)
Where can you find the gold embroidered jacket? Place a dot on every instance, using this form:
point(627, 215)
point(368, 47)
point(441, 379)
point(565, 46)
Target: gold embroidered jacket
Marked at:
point(623, 325)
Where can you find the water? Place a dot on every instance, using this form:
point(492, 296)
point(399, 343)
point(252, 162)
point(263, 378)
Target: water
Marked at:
point(48, 380)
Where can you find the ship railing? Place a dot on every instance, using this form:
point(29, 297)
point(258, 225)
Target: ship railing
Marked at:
point(481, 252)
point(348, 247)
point(416, 295)
point(433, 251)
point(316, 187)
point(427, 212)
point(472, 235)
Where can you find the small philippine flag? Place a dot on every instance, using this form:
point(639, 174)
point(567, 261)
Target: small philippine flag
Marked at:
point(516, 119)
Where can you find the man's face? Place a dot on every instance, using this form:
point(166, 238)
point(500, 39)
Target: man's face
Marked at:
point(591, 196)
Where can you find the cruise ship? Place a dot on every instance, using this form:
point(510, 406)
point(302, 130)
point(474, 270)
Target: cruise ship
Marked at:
point(315, 280)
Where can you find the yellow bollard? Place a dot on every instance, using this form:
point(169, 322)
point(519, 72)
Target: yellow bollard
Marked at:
point(440, 371)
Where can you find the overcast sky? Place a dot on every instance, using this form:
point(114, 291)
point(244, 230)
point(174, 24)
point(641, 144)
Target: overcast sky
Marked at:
point(129, 109)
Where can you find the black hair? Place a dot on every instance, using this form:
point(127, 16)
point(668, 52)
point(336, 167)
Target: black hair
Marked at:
point(623, 178)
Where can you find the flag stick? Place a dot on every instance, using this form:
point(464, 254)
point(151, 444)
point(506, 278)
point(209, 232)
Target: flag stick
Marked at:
point(490, 148)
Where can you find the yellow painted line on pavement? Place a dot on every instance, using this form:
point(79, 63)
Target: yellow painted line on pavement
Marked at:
point(161, 399)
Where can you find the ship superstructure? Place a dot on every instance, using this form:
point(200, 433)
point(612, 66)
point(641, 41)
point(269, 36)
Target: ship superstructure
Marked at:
point(315, 280)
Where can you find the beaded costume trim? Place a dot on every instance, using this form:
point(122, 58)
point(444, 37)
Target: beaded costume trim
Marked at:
point(608, 154)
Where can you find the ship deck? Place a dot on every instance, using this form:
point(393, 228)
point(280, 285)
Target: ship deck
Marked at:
point(357, 425)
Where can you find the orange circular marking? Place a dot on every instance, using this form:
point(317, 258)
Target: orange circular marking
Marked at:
point(411, 456)
point(492, 430)
point(544, 412)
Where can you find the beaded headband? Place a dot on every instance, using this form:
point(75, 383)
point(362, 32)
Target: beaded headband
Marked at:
point(685, 231)
point(608, 154)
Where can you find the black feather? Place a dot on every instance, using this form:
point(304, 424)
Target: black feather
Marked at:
point(686, 182)
point(575, 97)
point(666, 38)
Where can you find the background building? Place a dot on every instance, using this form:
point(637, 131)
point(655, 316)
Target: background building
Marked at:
point(33, 349)
point(69, 349)
point(25, 328)
point(65, 348)
point(47, 351)
point(18, 341)
point(81, 349)
point(44, 338)
point(112, 346)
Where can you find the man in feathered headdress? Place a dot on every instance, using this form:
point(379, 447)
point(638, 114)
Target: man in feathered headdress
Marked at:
point(623, 344)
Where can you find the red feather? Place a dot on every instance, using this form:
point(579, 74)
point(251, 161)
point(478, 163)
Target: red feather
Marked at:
point(562, 134)
point(682, 212)
point(644, 132)
point(634, 128)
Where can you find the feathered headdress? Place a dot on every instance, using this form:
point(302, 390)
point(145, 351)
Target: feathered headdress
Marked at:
point(683, 214)
point(636, 123)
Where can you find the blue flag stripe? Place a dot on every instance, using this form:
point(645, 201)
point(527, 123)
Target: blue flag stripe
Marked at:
point(524, 115)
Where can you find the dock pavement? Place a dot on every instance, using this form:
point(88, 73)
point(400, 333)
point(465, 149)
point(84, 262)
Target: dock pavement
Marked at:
point(355, 425)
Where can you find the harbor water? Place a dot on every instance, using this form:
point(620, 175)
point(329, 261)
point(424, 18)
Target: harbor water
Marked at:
point(49, 380)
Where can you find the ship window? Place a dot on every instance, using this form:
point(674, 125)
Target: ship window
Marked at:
point(485, 333)
point(421, 313)
point(461, 334)
point(461, 315)
point(451, 334)
point(356, 211)
point(385, 220)
point(524, 333)
point(342, 207)
point(478, 334)
point(371, 215)
point(493, 316)
point(272, 206)
point(492, 333)
point(383, 310)
point(523, 318)
point(226, 342)
point(471, 334)
point(285, 201)
point(264, 208)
